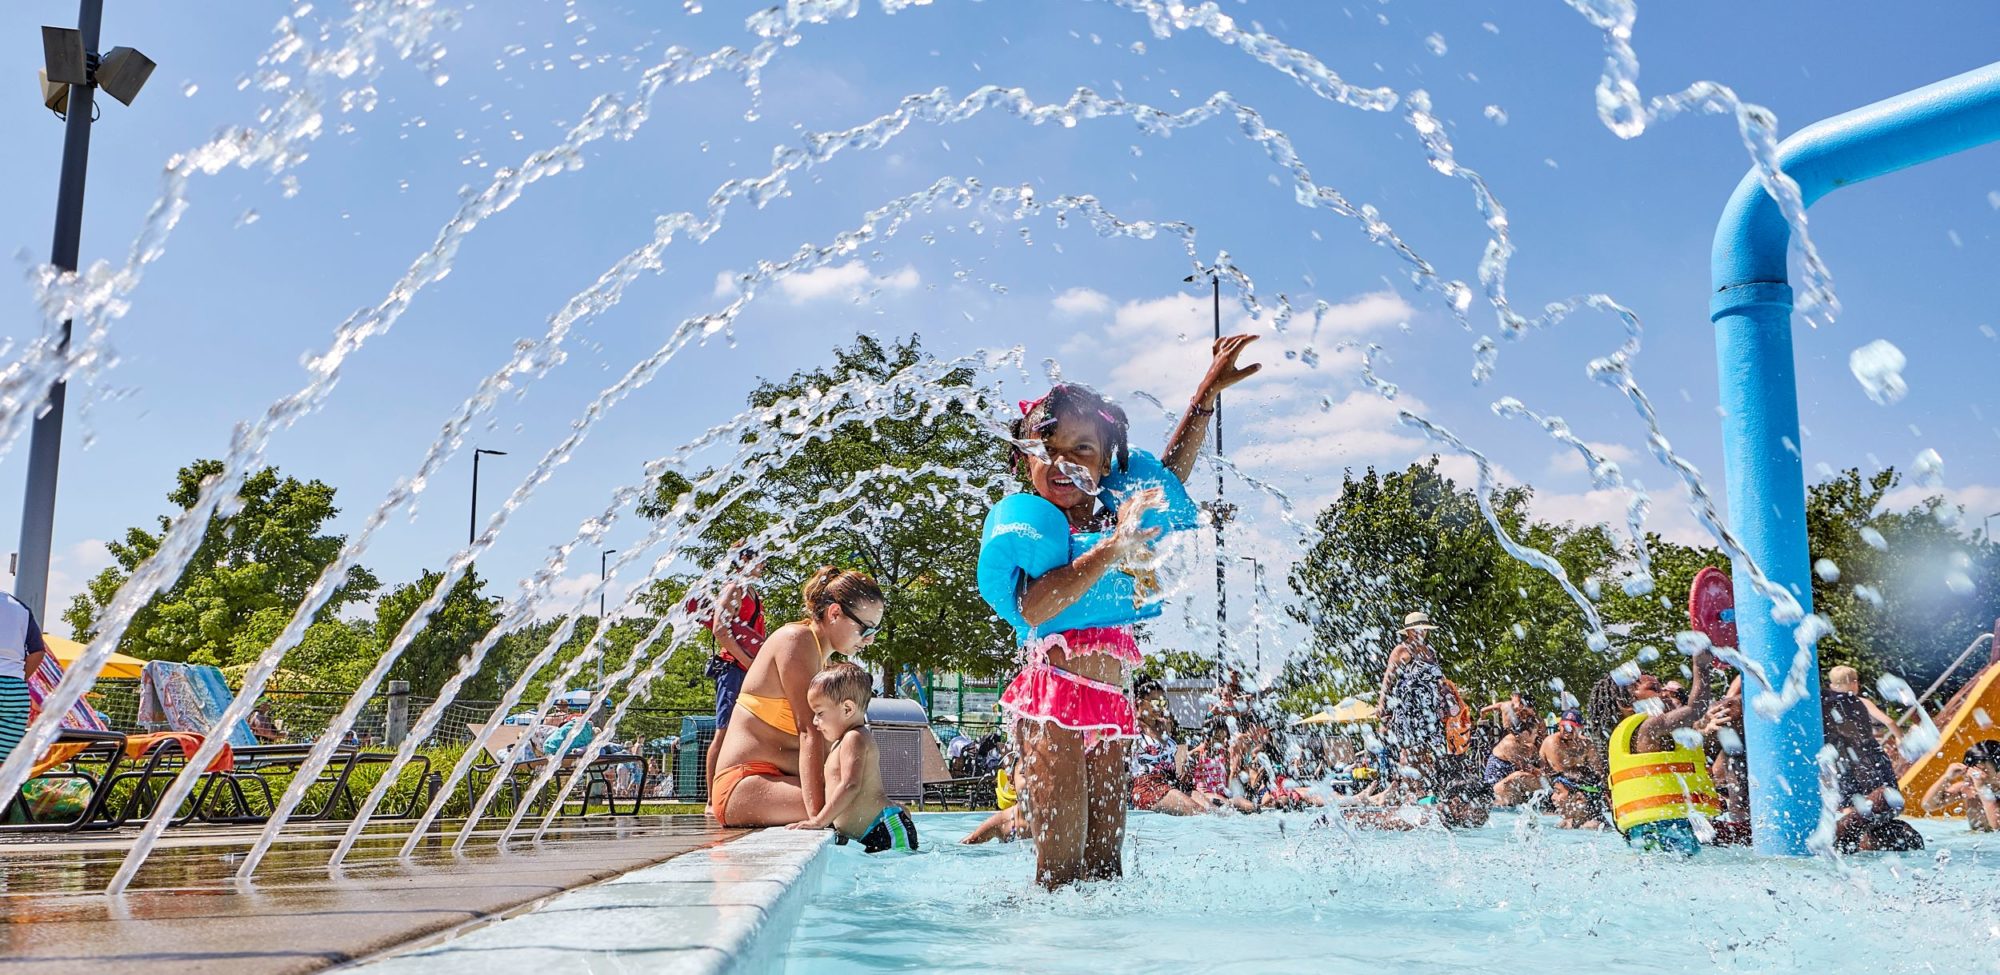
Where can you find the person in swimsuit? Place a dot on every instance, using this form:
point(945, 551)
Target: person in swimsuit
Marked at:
point(1208, 771)
point(21, 650)
point(736, 621)
point(856, 806)
point(1513, 770)
point(1973, 784)
point(770, 771)
point(1068, 702)
point(1412, 701)
point(1159, 763)
point(1658, 783)
point(1576, 780)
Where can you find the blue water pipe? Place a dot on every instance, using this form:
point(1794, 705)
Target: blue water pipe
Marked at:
point(1752, 310)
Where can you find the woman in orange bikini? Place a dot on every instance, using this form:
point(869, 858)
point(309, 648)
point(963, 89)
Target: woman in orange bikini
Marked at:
point(758, 780)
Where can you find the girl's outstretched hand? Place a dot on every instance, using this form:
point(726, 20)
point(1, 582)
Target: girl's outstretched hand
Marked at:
point(1223, 372)
point(1131, 532)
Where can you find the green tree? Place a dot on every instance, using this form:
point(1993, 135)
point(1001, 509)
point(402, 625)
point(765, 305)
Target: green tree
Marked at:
point(917, 535)
point(259, 560)
point(1412, 540)
point(435, 653)
point(1909, 588)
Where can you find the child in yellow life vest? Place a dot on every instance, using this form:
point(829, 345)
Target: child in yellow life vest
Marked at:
point(1657, 783)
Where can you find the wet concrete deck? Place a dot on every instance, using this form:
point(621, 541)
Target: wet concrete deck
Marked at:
point(184, 912)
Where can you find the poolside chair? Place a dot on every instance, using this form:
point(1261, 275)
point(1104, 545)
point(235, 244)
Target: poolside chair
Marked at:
point(191, 698)
point(598, 781)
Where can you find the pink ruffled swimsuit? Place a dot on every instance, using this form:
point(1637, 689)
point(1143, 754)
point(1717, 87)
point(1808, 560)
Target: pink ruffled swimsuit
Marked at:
point(1047, 693)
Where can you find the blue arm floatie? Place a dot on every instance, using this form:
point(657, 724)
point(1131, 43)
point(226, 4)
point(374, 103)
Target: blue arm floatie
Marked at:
point(1026, 537)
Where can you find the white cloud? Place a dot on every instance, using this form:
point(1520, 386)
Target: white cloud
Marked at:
point(567, 590)
point(1567, 461)
point(1669, 515)
point(725, 285)
point(70, 571)
point(1978, 501)
point(843, 281)
point(1367, 313)
point(1082, 301)
point(1361, 428)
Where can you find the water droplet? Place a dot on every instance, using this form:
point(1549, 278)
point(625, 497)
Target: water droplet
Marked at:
point(246, 218)
point(1874, 539)
point(1497, 114)
point(1878, 366)
point(1435, 43)
point(189, 89)
point(1869, 594)
point(1826, 570)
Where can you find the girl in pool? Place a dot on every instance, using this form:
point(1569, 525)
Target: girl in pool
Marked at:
point(1071, 713)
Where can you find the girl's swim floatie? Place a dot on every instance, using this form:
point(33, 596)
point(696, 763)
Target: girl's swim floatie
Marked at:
point(1026, 537)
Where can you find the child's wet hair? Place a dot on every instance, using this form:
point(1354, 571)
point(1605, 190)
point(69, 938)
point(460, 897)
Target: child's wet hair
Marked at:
point(1039, 418)
point(845, 682)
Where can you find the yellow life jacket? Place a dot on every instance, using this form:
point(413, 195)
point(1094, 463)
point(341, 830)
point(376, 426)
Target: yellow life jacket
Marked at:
point(1003, 789)
point(1647, 787)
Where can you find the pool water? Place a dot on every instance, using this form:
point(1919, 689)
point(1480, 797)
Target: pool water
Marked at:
point(1283, 893)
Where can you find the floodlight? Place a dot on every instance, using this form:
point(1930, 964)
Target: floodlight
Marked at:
point(122, 72)
point(55, 94)
point(63, 55)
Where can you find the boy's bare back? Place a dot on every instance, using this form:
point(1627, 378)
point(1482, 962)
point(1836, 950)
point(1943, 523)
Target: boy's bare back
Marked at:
point(855, 755)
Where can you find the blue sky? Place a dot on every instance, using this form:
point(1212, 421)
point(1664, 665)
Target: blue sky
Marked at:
point(216, 330)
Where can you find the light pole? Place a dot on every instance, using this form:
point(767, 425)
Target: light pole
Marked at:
point(1989, 524)
point(602, 558)
point(1220, 509)
point(1256, 602)
point(72, 74)
point(472, 521)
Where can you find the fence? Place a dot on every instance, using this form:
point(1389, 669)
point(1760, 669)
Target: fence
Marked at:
point(303, 716)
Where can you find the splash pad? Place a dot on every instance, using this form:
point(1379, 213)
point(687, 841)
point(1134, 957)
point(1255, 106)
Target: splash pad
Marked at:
point(325, 67)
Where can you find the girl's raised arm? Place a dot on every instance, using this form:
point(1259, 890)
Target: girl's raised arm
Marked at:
point(1223, 372)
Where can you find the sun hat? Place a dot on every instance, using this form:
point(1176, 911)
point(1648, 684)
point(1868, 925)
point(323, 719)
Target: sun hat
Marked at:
point(1419, 620)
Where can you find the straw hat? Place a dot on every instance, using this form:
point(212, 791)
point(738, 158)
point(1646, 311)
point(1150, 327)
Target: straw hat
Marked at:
point(1418, 621)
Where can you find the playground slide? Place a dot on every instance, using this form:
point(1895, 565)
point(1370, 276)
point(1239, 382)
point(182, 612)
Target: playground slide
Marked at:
point(1975, 718)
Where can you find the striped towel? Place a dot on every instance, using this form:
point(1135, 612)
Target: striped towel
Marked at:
point(13, 714)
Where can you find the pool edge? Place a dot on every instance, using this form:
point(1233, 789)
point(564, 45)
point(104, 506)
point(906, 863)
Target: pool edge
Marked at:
point(726, 909)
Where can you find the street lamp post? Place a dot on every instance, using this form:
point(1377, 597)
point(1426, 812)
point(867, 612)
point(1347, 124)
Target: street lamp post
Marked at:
point(73, 73)
point(602, 558)
point(1989, 524)
point(472, 521)
point(1220, 509)
point(1256, 601)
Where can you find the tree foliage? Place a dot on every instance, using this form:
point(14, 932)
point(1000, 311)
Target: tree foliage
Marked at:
point(251, 567)
point(1412, 540)
point(916, 531)
point(1905, 590)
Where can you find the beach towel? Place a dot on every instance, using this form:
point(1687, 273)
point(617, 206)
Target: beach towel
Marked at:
point(188, 697)
point(137, 747)
point(42, 683)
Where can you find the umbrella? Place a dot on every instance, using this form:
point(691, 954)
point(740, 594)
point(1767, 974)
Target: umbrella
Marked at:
point(66, 653)
point(1349, 711)
point(1353, 711)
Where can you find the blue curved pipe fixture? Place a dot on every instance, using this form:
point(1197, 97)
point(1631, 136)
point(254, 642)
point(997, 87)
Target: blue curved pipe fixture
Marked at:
point(1752, 310)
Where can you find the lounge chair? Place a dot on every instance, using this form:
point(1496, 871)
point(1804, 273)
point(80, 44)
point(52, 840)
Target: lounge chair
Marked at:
point(191, 698)
point(597, 781)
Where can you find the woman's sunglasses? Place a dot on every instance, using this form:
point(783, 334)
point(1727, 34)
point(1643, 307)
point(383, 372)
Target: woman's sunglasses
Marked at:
point(867, 629)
